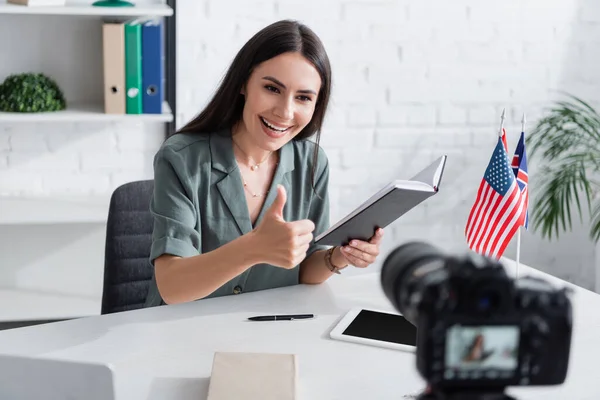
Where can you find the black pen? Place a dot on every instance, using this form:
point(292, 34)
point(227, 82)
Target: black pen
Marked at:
point(281, 317)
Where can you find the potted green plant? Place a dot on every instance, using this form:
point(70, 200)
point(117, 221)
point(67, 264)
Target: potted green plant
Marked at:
point(30, 93)
point(567, 139)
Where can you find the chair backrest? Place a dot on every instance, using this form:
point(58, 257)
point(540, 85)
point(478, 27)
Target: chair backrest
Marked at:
point(127, 269)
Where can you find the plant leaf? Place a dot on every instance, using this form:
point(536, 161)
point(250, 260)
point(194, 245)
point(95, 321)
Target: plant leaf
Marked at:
point(558, 187)
point(566, 198)
point(567, 139)
point(595, 222)
point(568, 126)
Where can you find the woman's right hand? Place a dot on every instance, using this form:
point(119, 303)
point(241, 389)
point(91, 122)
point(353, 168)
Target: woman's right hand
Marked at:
point(283, 244)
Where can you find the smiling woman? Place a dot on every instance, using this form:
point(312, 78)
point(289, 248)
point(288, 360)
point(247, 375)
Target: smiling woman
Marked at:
point(223, 220)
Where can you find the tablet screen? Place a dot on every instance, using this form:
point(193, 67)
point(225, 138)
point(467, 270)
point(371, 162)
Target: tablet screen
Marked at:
point(384, 327)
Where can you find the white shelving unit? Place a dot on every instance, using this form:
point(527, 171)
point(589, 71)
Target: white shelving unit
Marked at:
point(65, 210)
point(86, 113)
point(75, 8)
point(24, 304)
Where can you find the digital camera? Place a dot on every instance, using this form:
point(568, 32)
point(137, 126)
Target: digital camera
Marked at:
point(476, 327)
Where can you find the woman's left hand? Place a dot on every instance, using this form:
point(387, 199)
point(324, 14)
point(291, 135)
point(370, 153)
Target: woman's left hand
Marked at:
point(361, 254)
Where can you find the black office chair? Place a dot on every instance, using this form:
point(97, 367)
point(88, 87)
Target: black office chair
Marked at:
point(127, 270)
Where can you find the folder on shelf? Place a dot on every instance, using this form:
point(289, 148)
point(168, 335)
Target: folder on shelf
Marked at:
point(113, 48)
point(133, 66)
point(152, 67)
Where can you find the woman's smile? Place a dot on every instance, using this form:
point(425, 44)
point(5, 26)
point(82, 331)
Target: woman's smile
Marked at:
point(273, 130)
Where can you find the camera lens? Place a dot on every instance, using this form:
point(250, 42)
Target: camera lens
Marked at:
point(404, 270)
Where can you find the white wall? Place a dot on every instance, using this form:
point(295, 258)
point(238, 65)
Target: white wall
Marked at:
point(416, 79)
point(412, 79)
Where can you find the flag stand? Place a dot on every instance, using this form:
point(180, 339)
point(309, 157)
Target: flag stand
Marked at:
point(518, 250)
point(519, 230)
point(502, 132)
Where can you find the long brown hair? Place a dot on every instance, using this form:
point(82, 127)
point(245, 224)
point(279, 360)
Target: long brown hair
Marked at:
point(226, 106)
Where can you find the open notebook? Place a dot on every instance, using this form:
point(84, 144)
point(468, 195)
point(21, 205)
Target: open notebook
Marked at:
point(385, 206)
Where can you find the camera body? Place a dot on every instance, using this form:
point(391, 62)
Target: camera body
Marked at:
point(476, 327)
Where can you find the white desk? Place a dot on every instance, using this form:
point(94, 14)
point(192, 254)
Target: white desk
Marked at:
point(167, 352)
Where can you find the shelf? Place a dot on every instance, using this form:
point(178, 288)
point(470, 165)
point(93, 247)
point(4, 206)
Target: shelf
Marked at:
point(86, 113)
point(17, 210)
point(29, 305)
point(74, 8)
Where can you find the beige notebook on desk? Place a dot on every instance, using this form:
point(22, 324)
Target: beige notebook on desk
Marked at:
point(253, 376)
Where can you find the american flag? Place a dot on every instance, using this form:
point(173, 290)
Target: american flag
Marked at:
point(519, 167)
point(499, 208)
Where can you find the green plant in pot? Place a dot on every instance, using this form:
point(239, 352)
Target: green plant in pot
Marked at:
point(567, 139)
point(30, 93)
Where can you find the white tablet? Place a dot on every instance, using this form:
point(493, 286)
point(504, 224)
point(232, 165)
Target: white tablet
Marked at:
point(376, 328)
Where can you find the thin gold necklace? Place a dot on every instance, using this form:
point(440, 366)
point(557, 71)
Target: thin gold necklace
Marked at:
point(250, 191)
point(255, 166)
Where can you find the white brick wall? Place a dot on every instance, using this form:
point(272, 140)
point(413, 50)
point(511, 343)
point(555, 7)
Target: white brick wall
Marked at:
point(413, 79)
point(76, 159)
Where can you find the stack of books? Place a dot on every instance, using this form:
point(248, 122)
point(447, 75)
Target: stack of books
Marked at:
point(133, 62)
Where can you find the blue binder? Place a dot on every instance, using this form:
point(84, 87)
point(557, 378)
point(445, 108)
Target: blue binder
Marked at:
point(152, 67)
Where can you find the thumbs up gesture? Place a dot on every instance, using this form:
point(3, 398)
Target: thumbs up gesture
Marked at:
point(283, 244)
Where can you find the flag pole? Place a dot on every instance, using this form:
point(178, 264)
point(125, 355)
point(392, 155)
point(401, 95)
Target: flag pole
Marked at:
point(503, 138)
point(519, 230)
point(502, 122)
point(518, 249)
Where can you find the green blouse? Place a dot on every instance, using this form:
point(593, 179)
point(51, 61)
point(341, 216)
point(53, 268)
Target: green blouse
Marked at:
point(199, 203)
